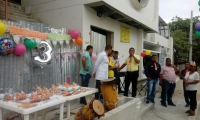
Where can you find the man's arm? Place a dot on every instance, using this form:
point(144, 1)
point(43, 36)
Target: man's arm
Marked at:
point(177, 71)
point(136, 59)
point(147, 71)
point(97, 63)
point(84, 63)
point(160, 80)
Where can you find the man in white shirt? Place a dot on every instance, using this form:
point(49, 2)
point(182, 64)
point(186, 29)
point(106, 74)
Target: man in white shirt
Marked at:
point(100, 71)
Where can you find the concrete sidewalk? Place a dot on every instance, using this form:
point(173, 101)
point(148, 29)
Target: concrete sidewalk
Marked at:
point(170, 113)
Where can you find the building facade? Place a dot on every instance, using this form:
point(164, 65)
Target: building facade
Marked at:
point(121, 23)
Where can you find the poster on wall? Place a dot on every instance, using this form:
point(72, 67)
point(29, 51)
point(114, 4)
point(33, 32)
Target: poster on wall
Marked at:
point(124, 34)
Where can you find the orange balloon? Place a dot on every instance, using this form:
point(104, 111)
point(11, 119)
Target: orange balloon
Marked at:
point(79, 41)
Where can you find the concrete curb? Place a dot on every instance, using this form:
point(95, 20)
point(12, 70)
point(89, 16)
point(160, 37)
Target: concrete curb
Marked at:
point(194, 117)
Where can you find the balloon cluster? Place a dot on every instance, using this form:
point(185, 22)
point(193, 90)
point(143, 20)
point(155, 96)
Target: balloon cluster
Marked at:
point(197, 26)
point(76, 35)
point(148, 52)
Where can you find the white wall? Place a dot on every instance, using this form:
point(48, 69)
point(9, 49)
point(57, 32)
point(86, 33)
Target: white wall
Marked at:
point(147, 16)
point(108, 24)
point(124, 6)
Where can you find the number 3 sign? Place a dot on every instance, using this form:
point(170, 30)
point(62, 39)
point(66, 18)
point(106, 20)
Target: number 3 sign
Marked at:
point(45, 56)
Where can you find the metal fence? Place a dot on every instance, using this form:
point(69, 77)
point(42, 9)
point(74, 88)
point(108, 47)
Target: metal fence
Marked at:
point(21, 73)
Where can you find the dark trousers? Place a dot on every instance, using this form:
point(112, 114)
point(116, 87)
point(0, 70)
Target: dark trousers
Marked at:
point(118, 80)
point(131, 77)
point(193, 99)
point(98, 94)
point(167, 91)
point(186, 95)
point(85, 81)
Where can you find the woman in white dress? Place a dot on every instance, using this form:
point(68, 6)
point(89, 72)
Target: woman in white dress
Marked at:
point(191, 81)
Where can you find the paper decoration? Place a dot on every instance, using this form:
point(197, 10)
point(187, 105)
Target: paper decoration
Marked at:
point(27, 33)
point(59, 37)
point(124, 34)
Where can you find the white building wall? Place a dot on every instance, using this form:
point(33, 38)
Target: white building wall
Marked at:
point(108, 24)
point(74, 14)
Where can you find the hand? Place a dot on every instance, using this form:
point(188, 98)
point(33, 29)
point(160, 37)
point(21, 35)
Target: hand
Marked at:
point(86, 68)
point(186, 83)
point(160, 83)
point(117, 67)
point(148, 78)
point(94, 75)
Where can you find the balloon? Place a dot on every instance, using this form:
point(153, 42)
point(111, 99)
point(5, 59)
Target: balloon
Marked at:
point(148, 52)
point(6, 46)
point(197, 26)
point(197, 34)
point(143, 71)
point(75, 34)
point(78, 41)
point(2, 28)
point(19, 49)
point(43, 59)
point(94, 56)
point(143, 54)
point(30, 44)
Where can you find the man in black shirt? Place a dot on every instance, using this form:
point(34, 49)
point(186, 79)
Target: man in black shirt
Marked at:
point(152, 72)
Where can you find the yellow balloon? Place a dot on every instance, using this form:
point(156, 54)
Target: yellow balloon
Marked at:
point(2, 28)
point(148, 52)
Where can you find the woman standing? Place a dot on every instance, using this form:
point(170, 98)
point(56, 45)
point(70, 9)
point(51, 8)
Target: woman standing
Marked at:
point(191, 80)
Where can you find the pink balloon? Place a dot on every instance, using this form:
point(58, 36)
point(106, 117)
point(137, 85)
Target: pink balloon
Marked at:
point(94, 56)
point(75, 34)
point(19, 49)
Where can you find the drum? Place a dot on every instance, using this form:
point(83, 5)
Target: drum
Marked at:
point(110, 94)
point(90, 111)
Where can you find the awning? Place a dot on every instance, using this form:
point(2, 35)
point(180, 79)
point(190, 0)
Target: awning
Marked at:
point(105, 10)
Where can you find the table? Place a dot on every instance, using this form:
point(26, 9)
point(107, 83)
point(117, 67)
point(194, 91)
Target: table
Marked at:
point(76, 96)
point(13, 106)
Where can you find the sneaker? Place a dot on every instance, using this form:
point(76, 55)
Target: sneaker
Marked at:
point(152, 101)
point(147, 102)
point(163, 104)
point(187, 105)
point(171, 104)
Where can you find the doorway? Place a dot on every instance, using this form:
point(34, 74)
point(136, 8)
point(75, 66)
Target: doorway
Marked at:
point(99, 39)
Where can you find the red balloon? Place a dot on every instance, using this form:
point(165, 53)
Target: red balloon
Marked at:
point(143, 54)
point(78, 41)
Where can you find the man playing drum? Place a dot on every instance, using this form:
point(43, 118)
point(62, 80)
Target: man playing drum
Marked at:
point(100, 71)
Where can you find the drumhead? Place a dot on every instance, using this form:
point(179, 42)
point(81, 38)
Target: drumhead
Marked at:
point(98, 107)
point(108, 80)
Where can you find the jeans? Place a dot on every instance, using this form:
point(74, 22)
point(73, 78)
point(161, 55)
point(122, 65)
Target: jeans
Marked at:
point(167, 91)
point(131, 77)
point(186, 95)
point(193, 99)
point(98, 94)
point(152, 87)
point(85, 81)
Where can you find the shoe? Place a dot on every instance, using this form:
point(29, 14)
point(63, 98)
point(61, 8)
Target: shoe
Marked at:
point(163, 104)
point(152, 101)
point(187, 105)
point(147, 102)
point(171, 104)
